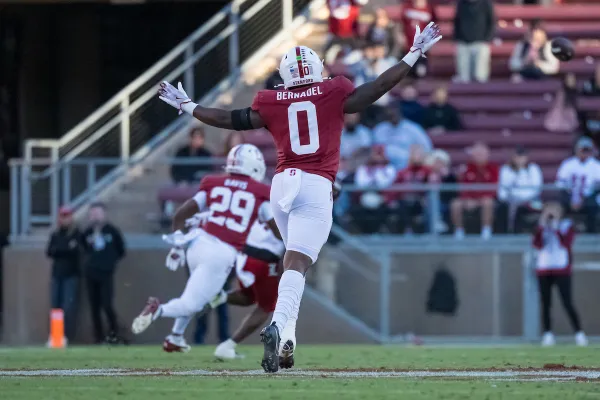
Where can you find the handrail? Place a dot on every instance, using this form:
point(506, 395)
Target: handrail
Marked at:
point(135, 84)
point(116, 119)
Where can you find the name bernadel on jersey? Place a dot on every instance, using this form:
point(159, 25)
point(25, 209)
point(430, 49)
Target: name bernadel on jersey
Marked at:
point(313, 91)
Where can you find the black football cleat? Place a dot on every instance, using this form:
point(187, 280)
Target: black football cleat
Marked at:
point(270, 339)
point(286, 359)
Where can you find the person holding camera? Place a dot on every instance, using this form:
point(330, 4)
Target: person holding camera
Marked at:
point(554, 238)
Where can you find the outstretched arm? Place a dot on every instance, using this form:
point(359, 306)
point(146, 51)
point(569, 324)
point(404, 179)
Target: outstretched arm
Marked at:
point(244, 119)
point(367, 94)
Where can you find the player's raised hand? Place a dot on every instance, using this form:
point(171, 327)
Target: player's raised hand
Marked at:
point(423, 41)
point(175, 97)
point(175, 259)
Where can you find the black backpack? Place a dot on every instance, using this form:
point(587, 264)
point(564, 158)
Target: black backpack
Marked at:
point(442, 297)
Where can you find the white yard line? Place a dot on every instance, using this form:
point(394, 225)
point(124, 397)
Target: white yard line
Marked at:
point(514, 375)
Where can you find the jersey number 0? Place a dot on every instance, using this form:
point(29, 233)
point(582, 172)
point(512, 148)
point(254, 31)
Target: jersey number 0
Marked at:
point(313, 128)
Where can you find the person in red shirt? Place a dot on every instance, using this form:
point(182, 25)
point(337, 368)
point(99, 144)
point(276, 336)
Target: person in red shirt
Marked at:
point(554, 238)
point(479, 171)
point(411, 204)
point(306, 119)
point(416, 12)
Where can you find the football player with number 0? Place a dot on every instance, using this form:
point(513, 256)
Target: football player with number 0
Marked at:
point(306, 120)
point(235, 200)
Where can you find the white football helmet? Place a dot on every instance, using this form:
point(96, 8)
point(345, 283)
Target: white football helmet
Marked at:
point(300, 66)
point(246, 159)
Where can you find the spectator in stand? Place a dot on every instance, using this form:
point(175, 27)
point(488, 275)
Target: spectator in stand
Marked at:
point(440, 164)
point(371, 211)
point(410, 106)
point(356, 138)
point(440, 116)
point(382, 30)
point(591, 87)
point(554, 239)
point(398, 134)
point(343, 22)
point(479, 171)
point(188, 174)
point(519, 188)
point(374, 63)
point(532, 56)
point(416, 12)
point(411, 204)
point(578, 177)
point(563, 115)
point(474, 28)
point(64, 249)
point(104, 247)
point(274, 80)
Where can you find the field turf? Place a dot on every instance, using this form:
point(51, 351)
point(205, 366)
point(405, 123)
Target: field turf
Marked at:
point(347, 372)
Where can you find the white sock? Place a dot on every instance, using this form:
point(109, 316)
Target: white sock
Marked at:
point(180, 324)
point(291, 287)
point(289, 331)
point(229, 343)
point(459, 233)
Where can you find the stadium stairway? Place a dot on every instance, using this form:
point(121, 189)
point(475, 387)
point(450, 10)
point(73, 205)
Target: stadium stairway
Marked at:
point(134, 204)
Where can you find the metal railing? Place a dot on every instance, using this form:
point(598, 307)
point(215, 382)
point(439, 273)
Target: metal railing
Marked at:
point(133, 122)
point(77, 181)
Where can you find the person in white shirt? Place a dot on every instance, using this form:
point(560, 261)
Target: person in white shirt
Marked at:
point(371, 210)
point(356, 138)
point(398, 134)
point(519, 187)
point(578, 177)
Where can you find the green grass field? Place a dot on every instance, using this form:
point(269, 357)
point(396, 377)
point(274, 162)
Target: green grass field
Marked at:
point(322, 372)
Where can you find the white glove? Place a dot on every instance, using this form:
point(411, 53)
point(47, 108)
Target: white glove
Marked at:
point(422, 42)
point(198, 220)
point(176, 98)
point(175, 259)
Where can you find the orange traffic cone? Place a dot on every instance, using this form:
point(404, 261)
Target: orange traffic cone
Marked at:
point(57, 339)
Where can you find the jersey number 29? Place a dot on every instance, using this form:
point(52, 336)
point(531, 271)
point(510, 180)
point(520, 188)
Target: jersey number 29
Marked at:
point(313, 127)
point(240, 204)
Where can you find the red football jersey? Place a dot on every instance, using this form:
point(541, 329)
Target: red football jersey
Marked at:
point(235, 202)
point(306, 124)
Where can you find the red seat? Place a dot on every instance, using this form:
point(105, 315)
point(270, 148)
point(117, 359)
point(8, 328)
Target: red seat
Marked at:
point(477, 122)
point(503, 139)
point(443, 67)
point(498, 86)
point(507, 30)
point(511, 103)
point(447, 48)
point(576, 12)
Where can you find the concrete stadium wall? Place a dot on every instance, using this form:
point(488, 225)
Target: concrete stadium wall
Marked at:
point(26, 295)
point(27, 275)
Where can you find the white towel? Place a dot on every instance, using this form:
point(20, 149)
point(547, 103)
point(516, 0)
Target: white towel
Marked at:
point(246, 278)
point(292, 178)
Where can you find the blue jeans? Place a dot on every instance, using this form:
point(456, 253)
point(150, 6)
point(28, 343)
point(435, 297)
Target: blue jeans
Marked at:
point(202, 325)
point(64, 295)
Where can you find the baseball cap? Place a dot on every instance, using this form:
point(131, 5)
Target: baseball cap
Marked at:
point(584, 142)
point(65, 211)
